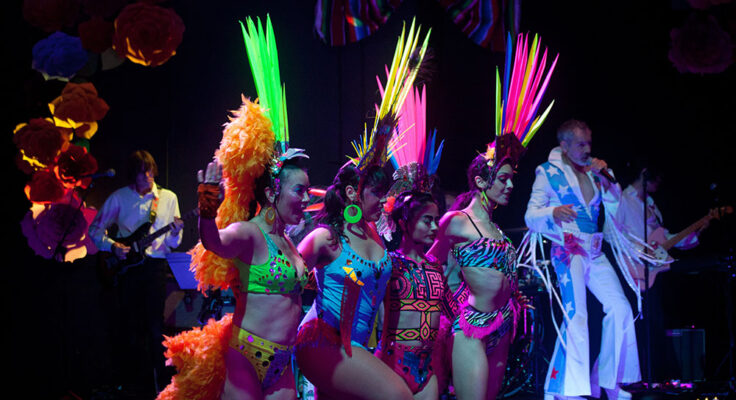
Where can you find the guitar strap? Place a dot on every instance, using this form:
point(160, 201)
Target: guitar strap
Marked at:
point(152, 213)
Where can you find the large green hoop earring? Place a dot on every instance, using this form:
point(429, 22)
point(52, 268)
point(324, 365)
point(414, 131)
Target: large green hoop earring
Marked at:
point(352, 219)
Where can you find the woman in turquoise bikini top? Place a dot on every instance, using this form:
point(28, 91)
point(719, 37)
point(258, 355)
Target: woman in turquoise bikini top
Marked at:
point(352, 270)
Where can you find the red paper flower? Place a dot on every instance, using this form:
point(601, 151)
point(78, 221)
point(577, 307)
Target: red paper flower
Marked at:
point(388, 206)
point(75, 163)
point(51, 15)
point(44, 188)
point(147, 34)
point(39, 143)
point(96, 34)
point(78, 103)
point(701, 46)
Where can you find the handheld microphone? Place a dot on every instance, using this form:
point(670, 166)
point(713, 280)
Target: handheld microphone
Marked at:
point(607, 175)
point(109, 173)
point(603, 171)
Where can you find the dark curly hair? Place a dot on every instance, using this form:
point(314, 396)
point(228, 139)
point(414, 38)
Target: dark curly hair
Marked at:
point(331, 215)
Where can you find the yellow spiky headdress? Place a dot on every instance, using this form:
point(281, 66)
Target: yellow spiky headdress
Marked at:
point(374, 148)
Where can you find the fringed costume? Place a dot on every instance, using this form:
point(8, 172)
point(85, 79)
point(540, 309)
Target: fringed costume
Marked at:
point(415, 287)
point(254, 142)
point(500, 255)
point(516, 123)
point(351, 288)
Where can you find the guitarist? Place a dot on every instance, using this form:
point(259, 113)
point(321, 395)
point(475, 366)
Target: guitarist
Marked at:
point(141, 290)
point(630, 213)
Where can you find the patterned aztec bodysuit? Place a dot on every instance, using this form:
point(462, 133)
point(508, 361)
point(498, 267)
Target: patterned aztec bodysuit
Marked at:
point(419, 288)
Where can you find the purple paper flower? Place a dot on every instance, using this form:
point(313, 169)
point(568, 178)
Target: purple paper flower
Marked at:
point(59, 56)
point(701, 46)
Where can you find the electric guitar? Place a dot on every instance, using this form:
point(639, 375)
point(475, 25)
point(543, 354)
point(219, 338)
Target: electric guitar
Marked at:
point(661, 244)
point(110, 267)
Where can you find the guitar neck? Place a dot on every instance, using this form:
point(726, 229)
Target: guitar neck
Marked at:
point(671, 242)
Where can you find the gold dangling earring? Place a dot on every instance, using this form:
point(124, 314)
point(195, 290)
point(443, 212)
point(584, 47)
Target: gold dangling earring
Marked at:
point(269, 215)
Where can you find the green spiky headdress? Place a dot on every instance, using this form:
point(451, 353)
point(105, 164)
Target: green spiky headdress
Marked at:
point(260, 45)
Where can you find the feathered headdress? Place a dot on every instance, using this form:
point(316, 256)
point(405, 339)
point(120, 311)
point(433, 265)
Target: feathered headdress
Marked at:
point(260, 45)
point(414, 161)
point(516, 114)
point(245, 151)
point(256, 138)
point(374, 148)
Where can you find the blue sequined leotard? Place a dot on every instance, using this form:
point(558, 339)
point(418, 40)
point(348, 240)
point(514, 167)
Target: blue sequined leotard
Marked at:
point(372, 279)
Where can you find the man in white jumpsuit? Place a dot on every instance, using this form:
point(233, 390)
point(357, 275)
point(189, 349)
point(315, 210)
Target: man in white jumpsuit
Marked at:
point(564, 206)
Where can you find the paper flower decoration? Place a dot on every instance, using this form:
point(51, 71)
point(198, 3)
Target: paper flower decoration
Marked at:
point(51, 15)
point(147, 34)
point(79, 108)
point(96, 34)
point(75, 163)
point(39, 142)
point(103, 8)
point(59, 56)
point(701, 46)
point(44, 228)
point(703, 4)
point(44, 188)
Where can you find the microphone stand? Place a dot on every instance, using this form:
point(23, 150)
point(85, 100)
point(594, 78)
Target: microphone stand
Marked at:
point(645, 298)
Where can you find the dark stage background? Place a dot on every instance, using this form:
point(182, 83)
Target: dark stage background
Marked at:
point(613, 72)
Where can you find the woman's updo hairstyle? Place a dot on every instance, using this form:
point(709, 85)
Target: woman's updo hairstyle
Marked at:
point(264, 181)
point(331, 215)
point(406, 207)
point(477, 167)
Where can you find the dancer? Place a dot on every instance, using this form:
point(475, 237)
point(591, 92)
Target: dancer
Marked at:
point(417, 292)
point(566, 198)
point(248, 355)
point(489, 298)
point(350, 263)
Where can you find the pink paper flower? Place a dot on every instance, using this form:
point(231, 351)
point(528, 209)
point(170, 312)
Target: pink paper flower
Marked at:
point(701, 46)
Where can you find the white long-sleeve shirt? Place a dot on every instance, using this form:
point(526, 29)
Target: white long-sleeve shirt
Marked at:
point(631, 215)
point(129, 210)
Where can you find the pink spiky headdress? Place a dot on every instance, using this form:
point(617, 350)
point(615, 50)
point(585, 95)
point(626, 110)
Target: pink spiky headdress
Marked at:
point(516, 115)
